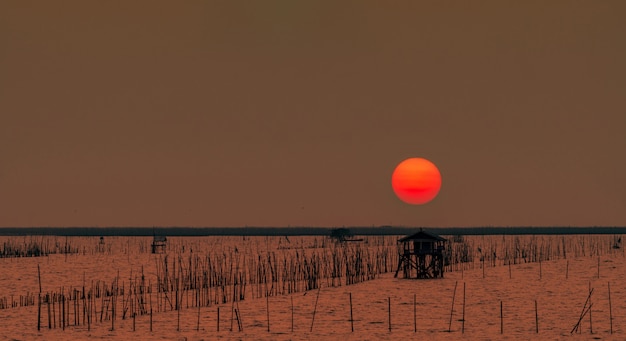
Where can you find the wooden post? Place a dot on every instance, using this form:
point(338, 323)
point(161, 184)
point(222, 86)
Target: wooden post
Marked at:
point(198, 324)
point(415, 313)
point(501, 319)
point(483, 261)
point(610, 308)
point(463, 321)
point(452, 308)
point(389, 304)
point(590, 305)
point(218, 318)
point(536, 318)
point(39, 300)
point(351, 318)
point(267, 309)
point(49, 298)
point(315, 308)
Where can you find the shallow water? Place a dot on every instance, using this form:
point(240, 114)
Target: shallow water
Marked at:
point(415, 308)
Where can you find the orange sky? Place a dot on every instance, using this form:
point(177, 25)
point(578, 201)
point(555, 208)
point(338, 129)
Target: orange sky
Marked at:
point(207, 113)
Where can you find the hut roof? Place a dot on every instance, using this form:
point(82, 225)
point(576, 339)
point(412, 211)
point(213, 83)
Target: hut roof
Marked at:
point(422, 236)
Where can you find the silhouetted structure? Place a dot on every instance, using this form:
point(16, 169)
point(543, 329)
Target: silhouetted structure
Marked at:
point(421, 255)
point(101, 245)
point(340, 234)
point(159, 244)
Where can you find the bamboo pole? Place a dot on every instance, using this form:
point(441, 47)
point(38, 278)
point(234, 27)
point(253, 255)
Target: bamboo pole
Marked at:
point(415, 313)
point(39, 300)
point(501, 319)
point(590, 304)
point(315, 308)
point(463, 321)
point(536, 318)
point(351, 316)
point(610, 308)
point(389, 310)
point(267, 309)
point(452, 308)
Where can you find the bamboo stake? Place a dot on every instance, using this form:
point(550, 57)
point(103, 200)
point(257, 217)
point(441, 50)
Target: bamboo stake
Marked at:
point(610, 308)
point(567, 270)
point(267, 309)
point(463, 321)
point(49, 298)
point(415, 313)
point(536, 318)
point(351, 317)
point(590, 319)
point(452, 308)
point(501, 319)
point(389, 310)
point(39, 300)
point(218, 318)
point(315, 308)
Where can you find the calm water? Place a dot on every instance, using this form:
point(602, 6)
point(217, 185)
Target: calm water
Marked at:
point(385, 308)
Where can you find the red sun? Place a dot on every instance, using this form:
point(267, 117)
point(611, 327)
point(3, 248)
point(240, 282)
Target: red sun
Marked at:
point(416, 181)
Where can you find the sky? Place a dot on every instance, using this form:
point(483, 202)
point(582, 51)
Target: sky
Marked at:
point(295, 113)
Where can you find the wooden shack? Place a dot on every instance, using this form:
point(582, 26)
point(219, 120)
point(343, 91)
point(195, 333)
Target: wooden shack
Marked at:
point(159, 244)
point(101, 245)
point(421, 255)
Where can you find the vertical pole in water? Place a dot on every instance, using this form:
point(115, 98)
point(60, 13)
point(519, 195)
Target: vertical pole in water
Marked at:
point(62, 309)
point(483, 261)
point(198, 324)
point(351, 318)
point(292, 313)
point(415, 313)
point(452, 308)
point(178, 303)
point(389, 304)
point(567, 270)
point(590, 305)
point(463, 321)
point(315, 308)
point(49, 297)
point(610, 309)
point(501, 320)
point(536, 318)
point(218, 318)
point(150, 286)
point(267, 309)
point(39, 304)
point(539, 268)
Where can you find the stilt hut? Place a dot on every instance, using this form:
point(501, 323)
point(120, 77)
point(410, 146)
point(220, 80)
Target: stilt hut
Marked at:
point(421, 255)
point(101, 245)
point(159, 244)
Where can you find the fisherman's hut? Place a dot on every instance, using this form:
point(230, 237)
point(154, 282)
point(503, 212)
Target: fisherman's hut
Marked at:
point(159, 244)
point(101, 244)
point(421, 255)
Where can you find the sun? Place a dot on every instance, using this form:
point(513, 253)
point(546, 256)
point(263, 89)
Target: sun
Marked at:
point(416, 181)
